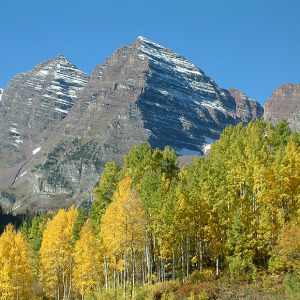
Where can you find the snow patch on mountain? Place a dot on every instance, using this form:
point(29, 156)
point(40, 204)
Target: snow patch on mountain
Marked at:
point(35, 151)
point(207, 145)
point(167, 58)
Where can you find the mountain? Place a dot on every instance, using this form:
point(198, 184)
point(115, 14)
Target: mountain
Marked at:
point(143, 92)
point(246, 108)
point(284, 103)
point(1, 92)
point(33, 103)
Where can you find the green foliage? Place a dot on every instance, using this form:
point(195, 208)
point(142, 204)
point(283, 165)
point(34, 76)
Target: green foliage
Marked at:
point(238, 242)
point(108, 183)
point(104, 193)
point(151, 191)
point(203, 296)
point(55, 178)
point(235, 210)
point(279, 135)
point(8, 196)
point(239, 267)
point(35, 238)
point(142, 157)
point(53, 156)
point(81, 152)
point(275, 264)
point(25, 229)
point(78, 224)
point(292, 285)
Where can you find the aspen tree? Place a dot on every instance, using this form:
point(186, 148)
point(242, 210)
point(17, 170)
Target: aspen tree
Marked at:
point(15, 270)
point(56, 254)
point(288, 247)
point(191, 214)
point(123, 230)
point(290, 177)
point(86, 269)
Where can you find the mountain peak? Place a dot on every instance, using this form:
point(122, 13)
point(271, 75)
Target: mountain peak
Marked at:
point(166, 58)
point(246, 107)
point(284, 103)
point(60, 59)
point(142, 39)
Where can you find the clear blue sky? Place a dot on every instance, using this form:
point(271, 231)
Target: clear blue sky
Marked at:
point(252, 45)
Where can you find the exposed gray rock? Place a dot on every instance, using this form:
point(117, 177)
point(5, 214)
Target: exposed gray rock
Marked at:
point(284, 103)
point(33, 103)
point(143, 92)
point(43, 95)
point(1, 92)
point(247, 109)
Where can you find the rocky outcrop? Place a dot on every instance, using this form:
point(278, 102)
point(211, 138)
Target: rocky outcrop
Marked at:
point(33, 103)
point(247, 109)
point(44, 95)
point(143, 92)
point(284, 103)
point(1, 92)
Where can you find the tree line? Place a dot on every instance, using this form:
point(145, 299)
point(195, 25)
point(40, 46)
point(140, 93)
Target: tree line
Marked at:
point(237, 210)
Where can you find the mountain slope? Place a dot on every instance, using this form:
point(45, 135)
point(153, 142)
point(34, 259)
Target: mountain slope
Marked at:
point(33, 103)
point(143, 92)
point(284, 103)
point(246, 108)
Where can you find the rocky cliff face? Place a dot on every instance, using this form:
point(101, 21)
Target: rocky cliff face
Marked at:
point(247, 109)
point(143, 92)
point(33, 103)
point(43, 95)
point(1, 92)
point(284, 103)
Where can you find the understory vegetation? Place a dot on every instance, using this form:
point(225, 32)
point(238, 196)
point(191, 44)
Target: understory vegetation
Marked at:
point(224, 227)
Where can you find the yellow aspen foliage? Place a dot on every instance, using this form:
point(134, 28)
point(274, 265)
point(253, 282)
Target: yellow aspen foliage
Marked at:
point(288, 248)
point(15, 270)
point(123, 229)
point(86, 270)
point(124, 224)
point(56, 254)
point(290, 176)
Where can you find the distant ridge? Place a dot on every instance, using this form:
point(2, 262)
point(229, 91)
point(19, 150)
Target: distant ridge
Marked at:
point(284, 103)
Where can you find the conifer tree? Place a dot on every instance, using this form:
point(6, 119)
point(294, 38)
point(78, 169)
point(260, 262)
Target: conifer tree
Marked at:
point(35, 237)
point(104, 193)
point(79, 223)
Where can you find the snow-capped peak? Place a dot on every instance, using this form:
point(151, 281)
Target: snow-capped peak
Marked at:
point(166, 57)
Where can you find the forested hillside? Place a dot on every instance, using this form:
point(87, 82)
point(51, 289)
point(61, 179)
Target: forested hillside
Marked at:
point(154, 230)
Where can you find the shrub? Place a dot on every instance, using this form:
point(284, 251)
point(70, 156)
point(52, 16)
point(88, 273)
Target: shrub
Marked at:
point(239, 266)
point(292, 285)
